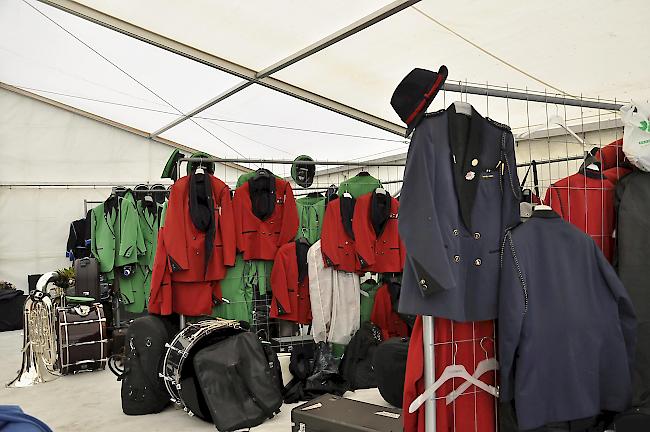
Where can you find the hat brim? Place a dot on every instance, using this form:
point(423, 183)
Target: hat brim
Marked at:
point(421, 110)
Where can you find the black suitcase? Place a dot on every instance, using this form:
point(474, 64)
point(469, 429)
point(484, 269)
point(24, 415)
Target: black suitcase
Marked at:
point(86, 271)
point(330, 413)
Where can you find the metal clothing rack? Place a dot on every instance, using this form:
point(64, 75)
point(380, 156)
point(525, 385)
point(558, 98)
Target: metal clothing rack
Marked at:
point(428, 321)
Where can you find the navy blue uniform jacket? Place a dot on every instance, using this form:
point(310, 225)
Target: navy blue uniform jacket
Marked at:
point(460, 193)
point(566, 325)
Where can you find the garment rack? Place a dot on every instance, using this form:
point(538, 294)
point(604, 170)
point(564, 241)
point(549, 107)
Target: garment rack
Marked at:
point(427, 321)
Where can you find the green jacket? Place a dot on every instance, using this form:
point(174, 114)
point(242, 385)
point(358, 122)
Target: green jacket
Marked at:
point(359, 185)
point(311, 211)
point(115, 236)
point(369, 289)
point(237, 288)
point(148, 220)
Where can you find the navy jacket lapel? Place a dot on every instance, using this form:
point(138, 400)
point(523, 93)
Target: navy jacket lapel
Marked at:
point(465, 142)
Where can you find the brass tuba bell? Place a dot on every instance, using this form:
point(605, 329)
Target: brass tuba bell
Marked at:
point(39, 335)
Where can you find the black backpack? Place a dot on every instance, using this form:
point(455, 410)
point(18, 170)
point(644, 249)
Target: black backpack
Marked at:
point(143, 391)
point(356, 366)
point(237, 383)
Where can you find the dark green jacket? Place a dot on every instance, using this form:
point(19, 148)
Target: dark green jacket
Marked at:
point(369, 289)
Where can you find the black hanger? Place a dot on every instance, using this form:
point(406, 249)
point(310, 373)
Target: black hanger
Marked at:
point(120, 191)
point(304, 240)
point(315, 195)
point(363, 174)
point(263, 172)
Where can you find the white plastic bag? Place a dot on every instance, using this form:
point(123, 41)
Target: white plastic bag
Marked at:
point(636, 136)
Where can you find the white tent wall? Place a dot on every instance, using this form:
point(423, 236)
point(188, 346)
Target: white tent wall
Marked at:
point(43, 144)
point(538, 149)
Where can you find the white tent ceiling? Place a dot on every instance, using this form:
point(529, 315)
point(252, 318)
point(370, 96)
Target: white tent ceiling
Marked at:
point(575, 48)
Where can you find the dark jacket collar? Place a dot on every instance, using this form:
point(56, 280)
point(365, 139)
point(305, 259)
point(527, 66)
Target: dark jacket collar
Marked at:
point(346, 208)
point(546, 214)
point(380, 205)
point(465, 135)
point(302, 246)
point(261, 189)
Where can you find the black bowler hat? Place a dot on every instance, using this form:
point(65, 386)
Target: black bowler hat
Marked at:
point(415, 93)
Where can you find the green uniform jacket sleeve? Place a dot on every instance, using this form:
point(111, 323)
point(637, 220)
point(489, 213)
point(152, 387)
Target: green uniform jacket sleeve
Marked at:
point(131, 240)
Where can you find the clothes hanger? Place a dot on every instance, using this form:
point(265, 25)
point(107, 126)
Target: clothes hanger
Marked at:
point(463, 108)
point(381, 191)
point(485, 366)
point(541, 207)
point(451, 371)
point(347, 195)
point(554, 119)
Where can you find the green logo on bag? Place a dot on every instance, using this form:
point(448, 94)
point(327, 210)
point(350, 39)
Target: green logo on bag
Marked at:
point(644, 126)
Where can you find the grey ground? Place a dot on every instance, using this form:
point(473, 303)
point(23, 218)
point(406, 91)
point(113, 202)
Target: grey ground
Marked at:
point(91, 401)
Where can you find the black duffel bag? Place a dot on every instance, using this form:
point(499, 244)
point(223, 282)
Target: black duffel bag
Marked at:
point(143, 390)
point(237, 383)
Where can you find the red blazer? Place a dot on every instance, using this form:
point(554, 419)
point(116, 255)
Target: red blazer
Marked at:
point(290, 297)
point(474, 410)
point(379, 249)
point(185, 244)
point(187, 298)
point(587, 201)
point(260, 239)
point(384, 316)
point(337, 243)
point(612, 155)
point(180, 280)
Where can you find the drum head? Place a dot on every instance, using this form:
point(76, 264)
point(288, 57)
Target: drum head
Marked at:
point(190, 392)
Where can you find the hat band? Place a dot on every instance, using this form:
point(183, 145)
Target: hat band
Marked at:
point(420, 106)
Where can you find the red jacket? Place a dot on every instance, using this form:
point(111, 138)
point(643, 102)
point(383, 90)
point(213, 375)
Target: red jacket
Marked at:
point(378, 244)
point(290, 295)
point(181, 282)
point(587, 201)
point(384, 315)
point(186, 298)
point(611, 155)
point(474, 410)
point(259, 239)
point(337, 241)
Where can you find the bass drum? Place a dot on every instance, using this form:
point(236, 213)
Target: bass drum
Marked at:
point(178, 366)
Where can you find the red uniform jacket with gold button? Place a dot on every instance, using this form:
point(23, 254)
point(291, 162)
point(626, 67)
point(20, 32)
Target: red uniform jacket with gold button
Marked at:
point(377, 241)
point(337, 237)
point(186, 269)
point(290, 284)
point(385, 317)
point(266, 216)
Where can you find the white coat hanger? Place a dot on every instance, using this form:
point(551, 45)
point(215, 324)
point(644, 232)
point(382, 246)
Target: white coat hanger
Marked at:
point(542, 207)
point(451, 371)
point(347, 195)
point(485, 366)
point(463, 108)
point(554, 119)
point(199, 169)
point(380, 191)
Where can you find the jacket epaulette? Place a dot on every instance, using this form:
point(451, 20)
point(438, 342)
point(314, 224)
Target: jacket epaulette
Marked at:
point(497, 124)
point(435, 113)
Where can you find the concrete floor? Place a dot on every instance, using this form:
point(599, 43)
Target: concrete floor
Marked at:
point(91, 401)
